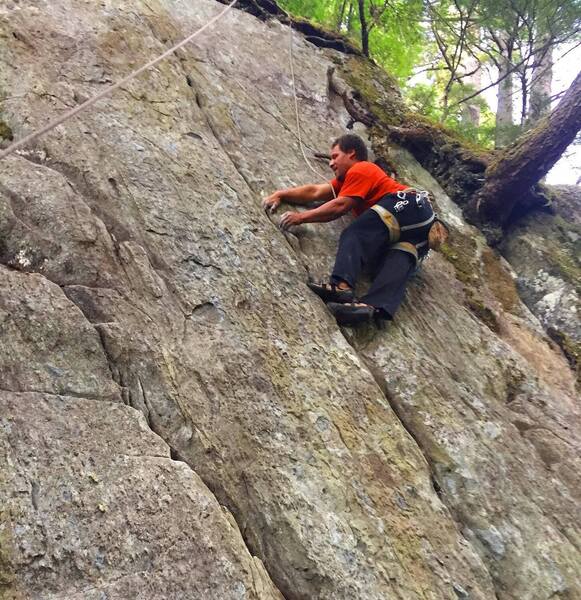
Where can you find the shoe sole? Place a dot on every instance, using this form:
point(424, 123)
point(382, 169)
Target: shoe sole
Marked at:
point(329, 296)
point(346, 315)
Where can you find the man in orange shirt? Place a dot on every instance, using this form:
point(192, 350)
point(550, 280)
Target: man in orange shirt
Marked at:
point(388, 235)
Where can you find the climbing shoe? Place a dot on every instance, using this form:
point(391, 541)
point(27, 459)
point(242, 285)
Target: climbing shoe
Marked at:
point(353, 314)
point(329, 292)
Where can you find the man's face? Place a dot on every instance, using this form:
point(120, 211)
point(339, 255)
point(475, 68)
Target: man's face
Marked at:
point(341, 161)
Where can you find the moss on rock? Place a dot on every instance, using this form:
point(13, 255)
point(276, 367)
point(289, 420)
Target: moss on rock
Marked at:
point(7, 577)
point(571, 350)
point(482, 312)
point(462, 253)
point(5, 131)
point(376, 90)
point(499, 281)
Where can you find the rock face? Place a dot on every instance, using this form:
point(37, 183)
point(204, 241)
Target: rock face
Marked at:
point(544, 250)
point(145, 292)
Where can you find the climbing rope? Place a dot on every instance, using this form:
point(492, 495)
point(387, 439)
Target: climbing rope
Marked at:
point(296, 103)
point(75, 111)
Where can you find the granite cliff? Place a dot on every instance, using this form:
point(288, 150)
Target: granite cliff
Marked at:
point(179, 416)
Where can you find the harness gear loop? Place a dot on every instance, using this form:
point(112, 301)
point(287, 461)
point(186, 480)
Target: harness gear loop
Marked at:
point(421, 198)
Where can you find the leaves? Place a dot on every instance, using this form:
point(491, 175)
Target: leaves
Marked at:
point(396, 36)
point(450, 44)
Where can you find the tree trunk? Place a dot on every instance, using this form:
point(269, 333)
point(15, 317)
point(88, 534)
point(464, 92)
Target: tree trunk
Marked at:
point(446, 101)
point(471, 112)
point(514, 171)
point(504, 122)
point(350, 18)
point(341, 15)
point(524, 92)
point(364, 29)
point(542, 79)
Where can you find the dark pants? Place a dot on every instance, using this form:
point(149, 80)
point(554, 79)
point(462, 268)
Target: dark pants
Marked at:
point(365, 244)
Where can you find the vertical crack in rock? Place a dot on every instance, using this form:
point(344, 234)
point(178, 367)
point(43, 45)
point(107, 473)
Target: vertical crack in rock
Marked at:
point(217, 137)
point(167, 408)
point(118, 234)
point(146, 409)
point(381, 383)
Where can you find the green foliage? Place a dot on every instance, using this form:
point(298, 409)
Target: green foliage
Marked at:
point(324, 12)
point(425, 99)
point(421, 98)
point(396, 38)
point(321, 11)
point(397, 42)
point(449, 40)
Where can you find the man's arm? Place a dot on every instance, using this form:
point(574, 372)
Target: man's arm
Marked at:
point(303, 194)
point(322, 214)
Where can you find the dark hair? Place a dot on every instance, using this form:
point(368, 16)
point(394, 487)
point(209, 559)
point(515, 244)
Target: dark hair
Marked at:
point(351, 142)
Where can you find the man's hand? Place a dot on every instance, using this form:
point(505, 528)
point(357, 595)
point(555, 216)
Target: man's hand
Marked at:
point(289, 219)
point(272, 202)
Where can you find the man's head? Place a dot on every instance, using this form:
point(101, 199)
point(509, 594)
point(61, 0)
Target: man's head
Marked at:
point(345, 152)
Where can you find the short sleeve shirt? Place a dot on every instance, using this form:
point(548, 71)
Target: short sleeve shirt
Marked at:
point(366, 182)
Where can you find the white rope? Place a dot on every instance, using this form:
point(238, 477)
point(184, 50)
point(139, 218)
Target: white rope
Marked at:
point(71, 113)
point(319, 175)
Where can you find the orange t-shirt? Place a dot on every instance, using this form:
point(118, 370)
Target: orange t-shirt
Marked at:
point(367, 182)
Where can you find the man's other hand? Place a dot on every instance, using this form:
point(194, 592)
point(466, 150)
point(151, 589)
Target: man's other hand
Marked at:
point(272, 202)
point(289, 219)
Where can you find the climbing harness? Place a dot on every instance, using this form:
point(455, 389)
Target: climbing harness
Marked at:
point(420, 198)
point(419, 225)
point(107, 91)
point(409, 248)
point(399, 206)
point(389, 220)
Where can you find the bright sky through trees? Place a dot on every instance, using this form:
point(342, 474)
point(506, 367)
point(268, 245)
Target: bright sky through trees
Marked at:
point(568, 169)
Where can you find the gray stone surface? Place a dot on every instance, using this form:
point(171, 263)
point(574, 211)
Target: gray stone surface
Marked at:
point(360, 467)
point(545, 252)
point(495, 413)
point(92, 504)
point(95, 508)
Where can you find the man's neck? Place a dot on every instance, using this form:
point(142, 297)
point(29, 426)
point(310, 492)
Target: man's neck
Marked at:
point(347, 171)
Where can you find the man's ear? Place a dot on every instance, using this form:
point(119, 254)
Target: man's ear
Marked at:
point(352, 154)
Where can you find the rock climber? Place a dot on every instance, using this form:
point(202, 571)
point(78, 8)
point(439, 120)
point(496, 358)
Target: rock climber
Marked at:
point(387, 237)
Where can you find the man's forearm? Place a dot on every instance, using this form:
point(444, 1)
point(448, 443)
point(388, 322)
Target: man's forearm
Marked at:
point(327, 212)
point(304, 194)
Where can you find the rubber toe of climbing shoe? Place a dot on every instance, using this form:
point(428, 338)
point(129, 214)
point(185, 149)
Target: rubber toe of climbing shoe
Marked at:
point(352, 314)
point(329, 292)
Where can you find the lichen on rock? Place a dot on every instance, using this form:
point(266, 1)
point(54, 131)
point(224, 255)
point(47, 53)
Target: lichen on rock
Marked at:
point(164, 358)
